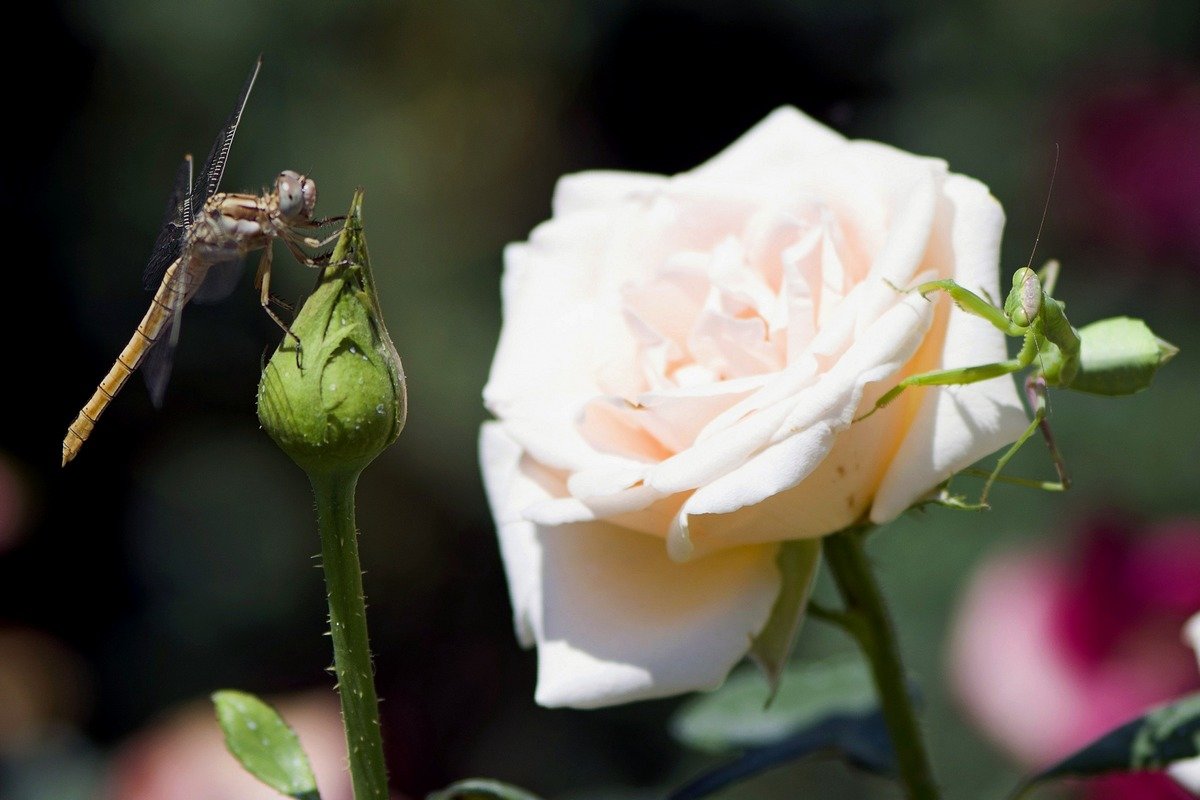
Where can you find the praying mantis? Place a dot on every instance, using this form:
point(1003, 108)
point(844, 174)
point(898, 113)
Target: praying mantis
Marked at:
point(1112, 357)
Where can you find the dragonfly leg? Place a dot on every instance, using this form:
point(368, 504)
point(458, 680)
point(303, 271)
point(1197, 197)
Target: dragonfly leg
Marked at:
point(321, 223)
point(292, 235)
point(262, 279)
point(321, 261)
point(311, 242)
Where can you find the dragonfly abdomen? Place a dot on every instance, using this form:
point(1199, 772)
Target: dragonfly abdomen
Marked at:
point(176, 288)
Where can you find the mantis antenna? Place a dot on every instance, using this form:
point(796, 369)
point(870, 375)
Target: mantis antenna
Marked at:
point(1037, 238)
point(1045, 207)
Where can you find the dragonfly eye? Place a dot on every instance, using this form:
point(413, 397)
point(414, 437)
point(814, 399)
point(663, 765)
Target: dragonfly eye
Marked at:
point(308, 188)
point(290, 188)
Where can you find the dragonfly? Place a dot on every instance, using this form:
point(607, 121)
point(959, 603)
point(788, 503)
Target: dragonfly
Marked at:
point(206, 234)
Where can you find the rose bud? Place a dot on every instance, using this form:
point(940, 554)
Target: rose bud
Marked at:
point(336, 400)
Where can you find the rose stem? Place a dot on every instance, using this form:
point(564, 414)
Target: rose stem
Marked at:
point(867, 620)
point(348, 625)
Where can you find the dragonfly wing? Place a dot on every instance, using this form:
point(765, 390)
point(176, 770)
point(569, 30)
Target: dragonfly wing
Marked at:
point(156, 368)
point(219, 281)
point(175, 221)
point(209, 179)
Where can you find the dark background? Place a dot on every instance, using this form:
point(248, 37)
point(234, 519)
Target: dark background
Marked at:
point(173, 557)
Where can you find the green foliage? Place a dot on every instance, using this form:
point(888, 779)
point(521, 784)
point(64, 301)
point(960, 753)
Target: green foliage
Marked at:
point(829, 706)
point(734, 716)
point(798, 562)
point(264, 744)
point(481, 789)
point(1153, 741)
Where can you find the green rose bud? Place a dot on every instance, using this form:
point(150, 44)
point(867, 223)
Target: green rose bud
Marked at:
point(336, 401)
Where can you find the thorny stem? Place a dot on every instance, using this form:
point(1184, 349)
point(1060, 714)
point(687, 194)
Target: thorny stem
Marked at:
point(348, 627)
point(866, 619)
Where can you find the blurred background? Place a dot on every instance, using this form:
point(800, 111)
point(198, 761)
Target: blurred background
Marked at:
point(174, 556)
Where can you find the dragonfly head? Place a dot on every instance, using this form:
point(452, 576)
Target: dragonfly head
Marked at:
point(297, 195)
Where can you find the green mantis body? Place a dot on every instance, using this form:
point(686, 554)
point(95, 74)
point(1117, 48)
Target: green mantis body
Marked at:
point(1112, 357)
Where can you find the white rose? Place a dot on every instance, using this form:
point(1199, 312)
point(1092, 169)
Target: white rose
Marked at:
point(1187, 773)
point(679, 367)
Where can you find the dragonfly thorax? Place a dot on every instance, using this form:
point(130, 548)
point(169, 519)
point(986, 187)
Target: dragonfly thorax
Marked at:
point(297, 195)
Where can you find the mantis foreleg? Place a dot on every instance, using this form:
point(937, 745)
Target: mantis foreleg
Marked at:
point(948, 377)
point(973, 304)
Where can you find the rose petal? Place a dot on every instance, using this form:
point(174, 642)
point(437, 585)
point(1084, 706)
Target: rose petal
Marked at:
point(832, 496)
point(957, 425)
point(614, 619)
point(812, 417)
point(536, 288)
point(776, 469)
point(586, 191)
point(771, 148)
point(622, 622)
point(889, 211)
point(509, 493)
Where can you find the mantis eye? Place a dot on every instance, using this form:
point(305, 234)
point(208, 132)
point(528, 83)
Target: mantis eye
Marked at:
point(1027, 289)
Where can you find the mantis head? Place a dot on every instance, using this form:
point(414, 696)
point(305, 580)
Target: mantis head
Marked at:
point(1024, 303)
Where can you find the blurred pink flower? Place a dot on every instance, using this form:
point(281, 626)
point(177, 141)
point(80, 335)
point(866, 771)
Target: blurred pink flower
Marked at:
point(183, 756)
point(1050, 650)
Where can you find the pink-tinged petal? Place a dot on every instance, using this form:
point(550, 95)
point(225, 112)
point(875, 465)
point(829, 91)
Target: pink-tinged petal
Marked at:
point(954, 426)
point(815, 416)
point(620, 621)
point(777, 468)
point(558, 330)
point(784, 140)
point(831, 497)
point(599, 189)
point(719, 454)
point(677, 416)
point(511, 488)
point(552, 436)
point(614, 619)
point(900, 196)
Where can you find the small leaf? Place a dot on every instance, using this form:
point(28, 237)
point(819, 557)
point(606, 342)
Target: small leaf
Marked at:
point(264, 744)
point(861, 739)
point(798, 562)
point(733, 716)
point(1161, 737)
point(481, 789)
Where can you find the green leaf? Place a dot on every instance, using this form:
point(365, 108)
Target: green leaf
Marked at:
point(481, 789)
point(733, 717)
point(798, 562)
point(862, 739)
point(264, 744)
point(1161, 737)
